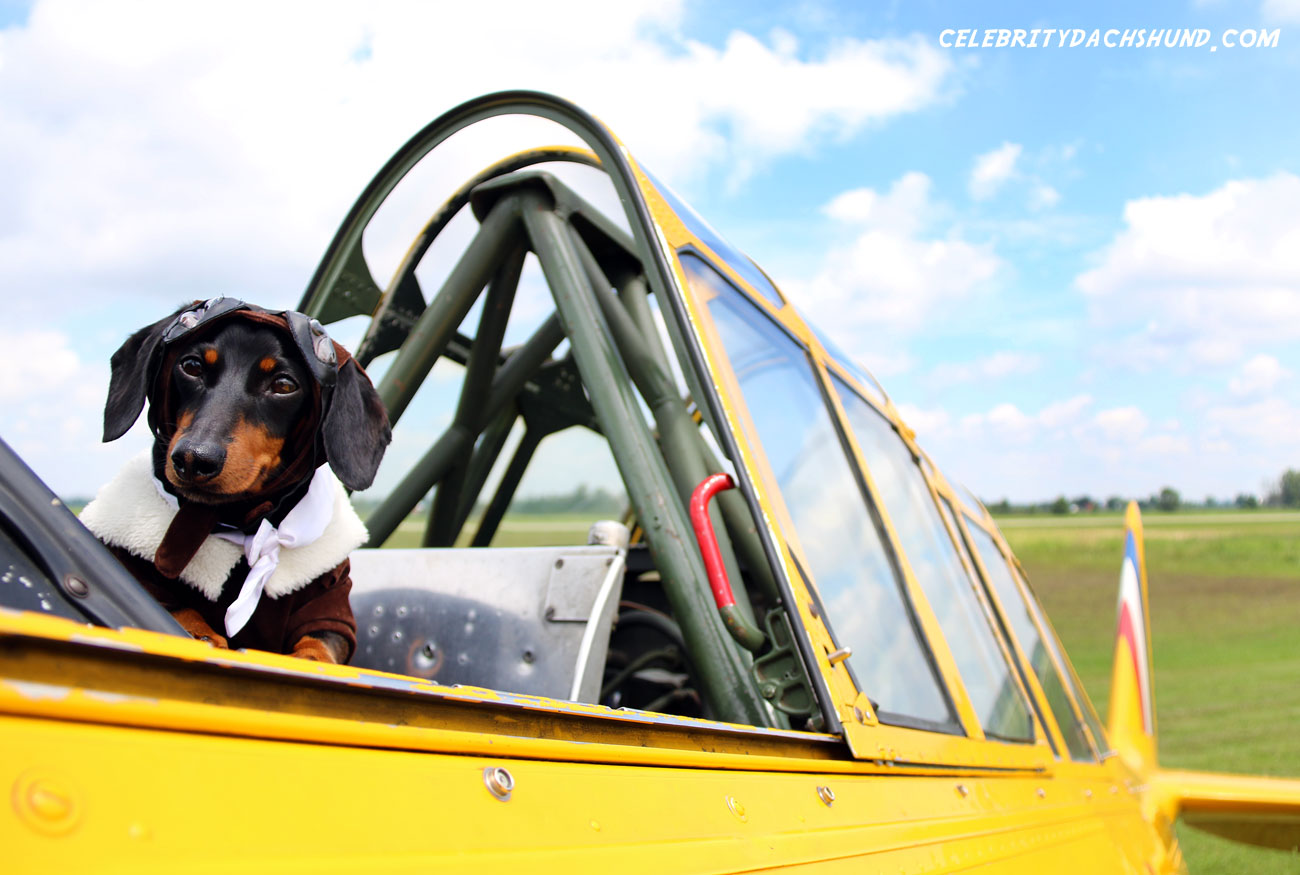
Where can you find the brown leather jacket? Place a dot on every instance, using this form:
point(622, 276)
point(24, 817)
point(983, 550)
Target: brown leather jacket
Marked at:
point(278, 623)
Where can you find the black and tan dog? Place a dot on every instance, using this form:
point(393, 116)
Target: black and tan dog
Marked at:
point(235, 521)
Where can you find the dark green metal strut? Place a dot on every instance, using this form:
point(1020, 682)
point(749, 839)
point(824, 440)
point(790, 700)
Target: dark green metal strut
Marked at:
point(342, 286)
point(725, 678)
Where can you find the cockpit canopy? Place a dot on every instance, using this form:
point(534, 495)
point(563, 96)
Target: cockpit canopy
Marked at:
point(562, 312)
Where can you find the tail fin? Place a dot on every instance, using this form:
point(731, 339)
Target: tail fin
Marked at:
point(1131, 721)
point(1243, 808)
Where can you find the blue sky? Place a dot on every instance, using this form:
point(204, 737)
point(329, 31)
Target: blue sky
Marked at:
point(1074, 269)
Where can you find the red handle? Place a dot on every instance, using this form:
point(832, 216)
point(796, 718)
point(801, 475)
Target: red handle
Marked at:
point(708, 541)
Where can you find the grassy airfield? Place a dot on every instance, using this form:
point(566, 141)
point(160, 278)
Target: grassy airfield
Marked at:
point(529, 530)
point(1225, 618)
point(1225, 627)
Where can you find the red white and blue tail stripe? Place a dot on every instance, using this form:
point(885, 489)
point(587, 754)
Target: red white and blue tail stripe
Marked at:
point(1132, 718)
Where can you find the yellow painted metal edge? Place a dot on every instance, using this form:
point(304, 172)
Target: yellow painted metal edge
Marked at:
point(173, 682)
point(185, 652)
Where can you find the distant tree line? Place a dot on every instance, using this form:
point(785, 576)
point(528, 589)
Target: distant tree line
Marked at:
point(597, 502)
point(1284, 492)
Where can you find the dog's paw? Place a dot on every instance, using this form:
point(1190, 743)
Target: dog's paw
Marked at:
point(313, 649)
point(191, 621)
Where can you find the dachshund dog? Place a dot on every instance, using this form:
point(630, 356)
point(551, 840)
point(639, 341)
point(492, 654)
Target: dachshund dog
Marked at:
point(237, 520)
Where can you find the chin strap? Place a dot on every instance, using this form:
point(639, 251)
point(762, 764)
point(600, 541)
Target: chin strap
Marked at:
point(302, 525)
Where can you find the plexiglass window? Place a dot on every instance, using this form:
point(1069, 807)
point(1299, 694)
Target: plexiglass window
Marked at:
point(1054, 644)
point(735, 259)
point(1021, 620)
point(989, 680)
point(851, 570)
point(1010, 694)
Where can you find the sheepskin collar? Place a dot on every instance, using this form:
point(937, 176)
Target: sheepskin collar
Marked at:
point(128, 512)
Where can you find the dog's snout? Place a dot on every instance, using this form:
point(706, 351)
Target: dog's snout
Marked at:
point(196, 461)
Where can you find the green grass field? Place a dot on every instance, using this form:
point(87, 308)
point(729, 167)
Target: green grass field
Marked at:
point(539, 530)
point(1225, 620)
point(1225, 627)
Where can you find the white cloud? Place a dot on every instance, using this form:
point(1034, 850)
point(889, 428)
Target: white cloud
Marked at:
point(1061, 413)
point(891, 276)
point(1067, 446)
point(1257, 376)
point(1006, 420)
point(156, 152)
point(51, 413)
point(1009, 168)
point(1121, 424)
point(992, 169)
point(1007, 417)
point(925, 422)
point(1287, 11)
point(35, 364)
point(1270, 421)
point(905, 209)
point(174, 146)
point(772, 101)
point(1042, 196)
point(1203, 277)
point(1161, 445)
point(991, 367)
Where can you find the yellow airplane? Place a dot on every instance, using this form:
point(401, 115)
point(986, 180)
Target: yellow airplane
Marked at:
point(804, 648)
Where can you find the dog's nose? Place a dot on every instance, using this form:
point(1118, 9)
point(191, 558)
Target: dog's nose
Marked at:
point(197, 462)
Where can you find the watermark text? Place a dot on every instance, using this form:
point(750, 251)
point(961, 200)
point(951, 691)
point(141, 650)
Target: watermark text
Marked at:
point(1113, 38)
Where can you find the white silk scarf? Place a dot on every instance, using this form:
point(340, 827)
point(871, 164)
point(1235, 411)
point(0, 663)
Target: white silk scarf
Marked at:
point(302, 525)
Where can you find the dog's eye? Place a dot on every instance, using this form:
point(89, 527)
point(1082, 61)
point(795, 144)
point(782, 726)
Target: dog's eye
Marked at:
point(191, 366)
point(284, 386)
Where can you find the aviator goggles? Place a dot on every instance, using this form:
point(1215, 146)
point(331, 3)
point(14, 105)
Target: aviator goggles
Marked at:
point(309, 338)
point(314, 345)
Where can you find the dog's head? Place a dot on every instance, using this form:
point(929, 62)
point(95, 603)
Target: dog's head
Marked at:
point(239, 399)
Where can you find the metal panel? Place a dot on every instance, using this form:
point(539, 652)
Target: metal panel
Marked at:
point(505, 619)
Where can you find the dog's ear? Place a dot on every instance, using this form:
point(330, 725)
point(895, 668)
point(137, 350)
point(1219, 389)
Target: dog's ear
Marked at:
point(128, 384)
point(356, 428)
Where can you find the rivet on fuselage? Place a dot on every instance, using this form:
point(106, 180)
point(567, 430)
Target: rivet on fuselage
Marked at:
point(46, 803)
point(499, 781)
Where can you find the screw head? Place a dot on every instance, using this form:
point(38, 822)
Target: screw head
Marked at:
point(46, 803)
point(76, 586)
point(838, 656)
point(499, 781)
point(826, 795)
